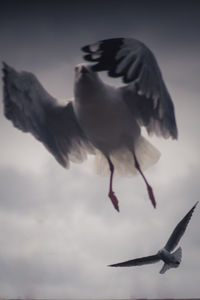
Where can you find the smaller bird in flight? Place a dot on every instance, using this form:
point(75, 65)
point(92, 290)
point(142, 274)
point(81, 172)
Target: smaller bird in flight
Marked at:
point(101, 118)
point(171, 260)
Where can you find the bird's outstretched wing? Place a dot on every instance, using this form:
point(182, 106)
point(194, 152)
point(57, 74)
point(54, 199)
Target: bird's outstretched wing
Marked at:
point(30, 108)
point(138, 261)
point(146, 93)
point(179, 231)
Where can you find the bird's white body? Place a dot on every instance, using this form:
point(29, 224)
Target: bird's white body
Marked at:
point(110, 125)
point(171, 260)
point(167, 257)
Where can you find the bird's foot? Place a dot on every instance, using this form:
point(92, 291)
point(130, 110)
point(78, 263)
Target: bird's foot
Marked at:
point(151, 195)
point(114, 200)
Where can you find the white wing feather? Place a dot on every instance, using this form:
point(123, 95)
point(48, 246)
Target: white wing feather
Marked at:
point(31, 109)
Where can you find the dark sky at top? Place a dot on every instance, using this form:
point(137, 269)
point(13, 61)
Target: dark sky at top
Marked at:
point(64, 26)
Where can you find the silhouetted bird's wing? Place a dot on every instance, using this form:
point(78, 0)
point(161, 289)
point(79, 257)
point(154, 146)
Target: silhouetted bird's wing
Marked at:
point(179, 231)
point(138, 261)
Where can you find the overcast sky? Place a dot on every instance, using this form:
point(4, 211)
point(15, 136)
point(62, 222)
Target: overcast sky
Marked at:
point(58, 229)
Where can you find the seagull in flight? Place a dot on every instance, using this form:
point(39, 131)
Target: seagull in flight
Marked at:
point(171, 260)
point(102, 119)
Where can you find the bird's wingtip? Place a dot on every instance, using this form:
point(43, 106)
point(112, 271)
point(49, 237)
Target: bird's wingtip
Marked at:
point(5, 67)
point(193, 208)
point(4, 64)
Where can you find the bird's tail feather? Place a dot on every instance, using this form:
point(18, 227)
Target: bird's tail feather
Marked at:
point(165, 268)
point(123, 160)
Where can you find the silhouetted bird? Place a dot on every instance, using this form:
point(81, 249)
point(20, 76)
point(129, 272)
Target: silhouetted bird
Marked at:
point(171, 260)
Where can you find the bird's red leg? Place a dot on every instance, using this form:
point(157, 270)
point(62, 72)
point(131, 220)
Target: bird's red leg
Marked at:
point(149, 188)
point(111, 194)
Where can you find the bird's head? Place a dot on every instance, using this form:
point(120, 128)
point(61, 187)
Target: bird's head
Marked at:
point(84, 72)
point(86, 80)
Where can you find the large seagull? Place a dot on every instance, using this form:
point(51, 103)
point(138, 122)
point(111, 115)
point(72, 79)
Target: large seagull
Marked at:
point(170, 259)
point(101, 119)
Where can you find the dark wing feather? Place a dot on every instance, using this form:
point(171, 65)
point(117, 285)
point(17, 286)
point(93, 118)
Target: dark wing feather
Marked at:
point(179, 231)
point(138, 261)
point(146, 93)
point(31, 109)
